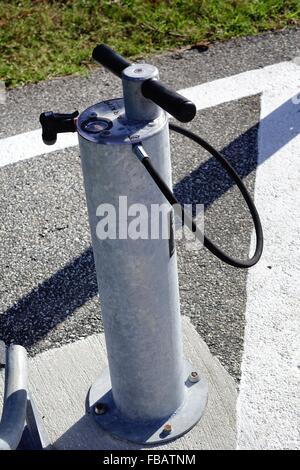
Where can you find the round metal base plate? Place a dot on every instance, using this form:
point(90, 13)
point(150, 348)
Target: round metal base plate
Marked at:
point(113, 422)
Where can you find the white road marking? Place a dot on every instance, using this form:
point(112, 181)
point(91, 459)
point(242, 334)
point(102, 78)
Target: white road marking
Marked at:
point(268, 401)
point(29, 144)
point(268, 404)
point(240, 86)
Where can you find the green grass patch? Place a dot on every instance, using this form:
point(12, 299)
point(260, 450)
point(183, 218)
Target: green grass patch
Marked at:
point(41, 39)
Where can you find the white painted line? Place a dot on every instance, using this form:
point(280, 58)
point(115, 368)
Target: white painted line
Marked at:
point(29, 145)
point(239, 86)
point(269, 404)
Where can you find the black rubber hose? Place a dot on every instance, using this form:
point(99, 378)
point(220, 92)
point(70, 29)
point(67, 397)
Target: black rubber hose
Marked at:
point(218, 252)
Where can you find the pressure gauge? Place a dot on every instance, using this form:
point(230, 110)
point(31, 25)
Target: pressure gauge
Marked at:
point(96, 125)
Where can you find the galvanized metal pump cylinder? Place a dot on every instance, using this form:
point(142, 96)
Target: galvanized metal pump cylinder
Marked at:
point(145, 394)
point(137, 279)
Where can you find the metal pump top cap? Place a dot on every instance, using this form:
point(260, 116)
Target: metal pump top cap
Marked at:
point(137, 107)
point(106, 123)
point(140, 72)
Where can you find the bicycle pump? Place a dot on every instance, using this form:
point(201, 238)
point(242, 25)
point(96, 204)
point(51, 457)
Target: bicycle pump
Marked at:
point(149, 393)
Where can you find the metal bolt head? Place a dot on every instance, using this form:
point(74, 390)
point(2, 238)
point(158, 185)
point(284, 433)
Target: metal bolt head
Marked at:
point(100, 408)
point(194, 377)
point(167, 428)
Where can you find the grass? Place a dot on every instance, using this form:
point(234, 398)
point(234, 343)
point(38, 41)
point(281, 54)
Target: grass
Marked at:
point(41, 39)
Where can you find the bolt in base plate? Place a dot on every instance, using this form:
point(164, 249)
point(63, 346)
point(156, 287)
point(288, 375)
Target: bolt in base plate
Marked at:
point(148, 433)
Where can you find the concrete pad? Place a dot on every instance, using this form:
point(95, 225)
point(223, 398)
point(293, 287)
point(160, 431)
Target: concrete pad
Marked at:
point(60, 379)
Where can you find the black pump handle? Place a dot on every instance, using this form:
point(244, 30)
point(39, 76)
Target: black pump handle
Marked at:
point(110, 59)
point(171, 101)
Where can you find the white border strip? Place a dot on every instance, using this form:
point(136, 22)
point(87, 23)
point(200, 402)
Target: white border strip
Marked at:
point(269, 402)
point(29, 145)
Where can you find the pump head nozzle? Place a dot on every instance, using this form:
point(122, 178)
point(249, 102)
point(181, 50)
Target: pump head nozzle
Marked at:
point(54, 123)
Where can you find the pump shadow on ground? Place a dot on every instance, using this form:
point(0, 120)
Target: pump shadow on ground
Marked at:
point(76, 282)
point(286, 117)
point(86, 435)
point(209, 181)
point(51, 302)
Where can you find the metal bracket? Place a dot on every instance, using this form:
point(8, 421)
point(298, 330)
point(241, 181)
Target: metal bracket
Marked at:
point(103, 409)
point(20, 425)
